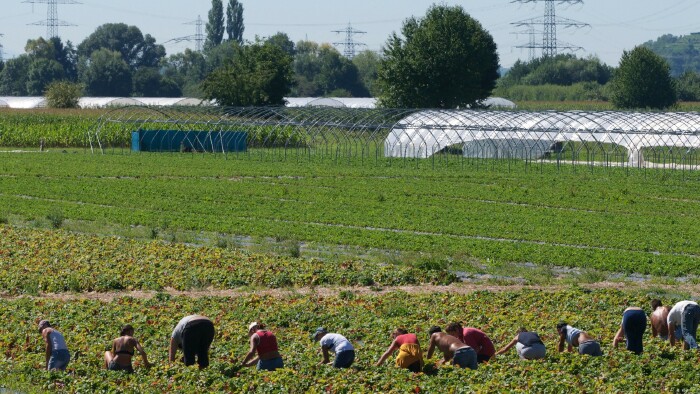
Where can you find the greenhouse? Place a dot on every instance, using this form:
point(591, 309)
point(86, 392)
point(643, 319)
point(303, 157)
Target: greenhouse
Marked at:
point(629, 139)
point(539, 135)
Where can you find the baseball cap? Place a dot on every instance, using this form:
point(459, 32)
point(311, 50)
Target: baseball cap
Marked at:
point(318, 331)
point(252, 325)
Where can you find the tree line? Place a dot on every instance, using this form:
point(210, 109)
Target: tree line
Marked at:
point(444, 59)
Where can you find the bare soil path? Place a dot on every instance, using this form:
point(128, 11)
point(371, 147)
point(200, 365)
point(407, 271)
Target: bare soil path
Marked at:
point(460, 288)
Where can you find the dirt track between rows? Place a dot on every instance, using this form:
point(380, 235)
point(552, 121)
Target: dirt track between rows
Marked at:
point(461, 288)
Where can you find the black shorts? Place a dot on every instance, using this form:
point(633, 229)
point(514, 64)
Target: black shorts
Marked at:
point(197, 336)
point(114, 366)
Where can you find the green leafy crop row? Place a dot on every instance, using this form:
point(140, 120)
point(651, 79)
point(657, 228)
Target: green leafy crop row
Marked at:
point(608, 220)
point(89, 326)
point(33, 261)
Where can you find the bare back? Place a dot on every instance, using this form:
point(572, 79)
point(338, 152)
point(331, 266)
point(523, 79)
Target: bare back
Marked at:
point(658, 321)
point(123, 349)
point(447, 344)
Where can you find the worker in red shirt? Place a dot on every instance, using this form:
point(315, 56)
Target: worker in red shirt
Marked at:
point(475, 338)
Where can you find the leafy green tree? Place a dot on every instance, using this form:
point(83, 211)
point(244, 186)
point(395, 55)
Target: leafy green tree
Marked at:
point(215, 25)
point(41, 73)
point(260, 74)
point(321, 70)
point(688, 85)
point(564, 69)
point(367, 63)
point(146, 82)
point(444, 60)
point(234, 21)
point(54, 50)
point(186, 70)
point(63, 94)
point(282, 40)
point(642, 80)
point(220, 55)
point(107, 74)
point(135, 49)
point(13, 78)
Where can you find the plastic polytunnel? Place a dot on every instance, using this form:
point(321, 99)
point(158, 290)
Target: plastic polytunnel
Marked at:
point(533, 135)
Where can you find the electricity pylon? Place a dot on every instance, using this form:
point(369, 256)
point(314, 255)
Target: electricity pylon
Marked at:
point(550, 45)
point(52, 22)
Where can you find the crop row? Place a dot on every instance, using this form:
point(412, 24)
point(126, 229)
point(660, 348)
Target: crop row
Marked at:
point(89, 326)
point(33, 261)
point(608, 221)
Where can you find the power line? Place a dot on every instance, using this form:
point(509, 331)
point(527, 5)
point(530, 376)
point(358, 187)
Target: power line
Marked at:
point(198, 37)
point(550, 45)
point(532, 42)
point(52, 22)
point(349, 43)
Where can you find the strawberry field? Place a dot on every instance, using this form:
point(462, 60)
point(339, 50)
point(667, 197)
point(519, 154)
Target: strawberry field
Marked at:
point(63, 256)
point(366, 320)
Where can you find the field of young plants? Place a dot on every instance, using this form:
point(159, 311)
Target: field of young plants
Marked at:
point(63, 216)
point(367, 320)
point(603, 219)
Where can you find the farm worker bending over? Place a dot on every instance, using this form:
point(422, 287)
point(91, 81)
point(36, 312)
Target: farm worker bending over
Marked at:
point(686, 315)
point(452, 349)
point(528, 345)
point(57, 356)
point(193, 334)
point(577, 338)
point(475, 338)
point(410, 355)
point(119, 359)
point(264, 343)
point(634, 323)
point(659, 320)
point(334, 343)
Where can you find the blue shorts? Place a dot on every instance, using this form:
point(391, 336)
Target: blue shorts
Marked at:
point(344, 359)
point(59, 360)
point(465, 358)
point(690, 318)
point(271, 364)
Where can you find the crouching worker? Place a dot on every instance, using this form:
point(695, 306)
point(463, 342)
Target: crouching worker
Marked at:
point(119, 359)
point(577, 338)
point(410, 355)
point(334, 343)
point(193, 334)
point(452, 349)
point(634, 323)
point(264, 343)
point(527, 344)
point(686, 315)
point(57, 356)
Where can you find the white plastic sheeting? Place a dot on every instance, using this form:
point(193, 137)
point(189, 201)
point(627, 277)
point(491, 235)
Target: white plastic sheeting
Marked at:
point(101, 102)
point(496, 133)
point(338, 102)
point(370, 102)
point(24, 102)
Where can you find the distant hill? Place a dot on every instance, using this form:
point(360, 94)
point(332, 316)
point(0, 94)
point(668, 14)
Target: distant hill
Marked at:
point(682, 52)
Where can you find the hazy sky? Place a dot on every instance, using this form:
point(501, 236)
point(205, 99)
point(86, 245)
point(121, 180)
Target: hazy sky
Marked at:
point(615, 25)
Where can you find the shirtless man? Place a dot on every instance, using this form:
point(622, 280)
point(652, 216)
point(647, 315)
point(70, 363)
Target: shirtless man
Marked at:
point(658, 319)
point(452, 349)
point(659, 315)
